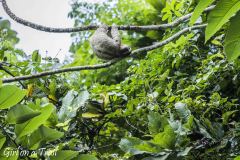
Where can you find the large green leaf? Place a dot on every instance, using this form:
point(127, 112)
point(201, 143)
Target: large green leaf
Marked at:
point(70, 104)
point(32, 124)
point(41, 136)
point(223, 11)
point(20, 114)
point(85, 157)
point(232, 40)
point(199, 9)
point(156, 122)
point(10, 95)
point(64, 155)
point(166, 139)
point(135, 146)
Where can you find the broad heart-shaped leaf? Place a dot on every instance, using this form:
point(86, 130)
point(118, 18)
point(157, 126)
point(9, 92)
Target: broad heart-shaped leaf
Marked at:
point(223, 11)
point(64, 155)
point(10, 95)
point(232, 40)
point(32, 124)
point(20, 114)
point(199, 9)
point(40, 136)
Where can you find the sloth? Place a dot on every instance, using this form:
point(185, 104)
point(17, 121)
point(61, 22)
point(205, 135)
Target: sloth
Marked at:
point(107, 44)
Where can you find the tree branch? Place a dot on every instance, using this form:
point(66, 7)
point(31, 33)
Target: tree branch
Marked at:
point(10, 73)
point(92, 27)
point(107, 64)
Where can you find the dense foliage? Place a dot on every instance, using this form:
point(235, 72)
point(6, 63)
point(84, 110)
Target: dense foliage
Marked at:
point(180, 101)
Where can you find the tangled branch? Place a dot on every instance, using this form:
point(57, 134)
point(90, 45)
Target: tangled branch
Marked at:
point(107, 64)
point(92, 27)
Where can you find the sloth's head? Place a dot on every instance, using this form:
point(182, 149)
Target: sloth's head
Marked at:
point(103, 28)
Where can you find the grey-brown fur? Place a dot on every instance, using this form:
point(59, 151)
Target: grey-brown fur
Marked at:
point(107, 44)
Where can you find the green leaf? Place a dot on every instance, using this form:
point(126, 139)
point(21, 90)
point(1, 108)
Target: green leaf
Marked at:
point(227, 115)
point(91, 115)
point(156, 122)
point(184, 152)
point(20, 114)
point(2, 140)
point(223, 11)
point(128, 144)
point(70, 104)
point(64, 155)
point(182, 110)
point(157, 4)
point(237, 158)
point(9, 153)
point(32, 124)
point(199, 9)
point(232, 40)
point(166, 139)
point(10, 95)
point(135, 146)
point(42, 135)
point(85, 157)
point(36, 57)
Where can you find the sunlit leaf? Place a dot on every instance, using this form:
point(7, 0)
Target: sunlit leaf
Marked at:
point(64, 155)
point(36, 57)
point(156, 122)
point(165, 139)
point(223, 11)
point(10, 95)
point(20, 114)
point(232, 40)
point(32, 124)
point(85, 157)
point(42, 135)
point(199, 9)
point(91, 115)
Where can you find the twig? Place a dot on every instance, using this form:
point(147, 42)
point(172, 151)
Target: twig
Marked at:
point(135, 128)
point(107, 64)
point(166, 41)
point(92, 27)
point(11, 74)
point(108, 145)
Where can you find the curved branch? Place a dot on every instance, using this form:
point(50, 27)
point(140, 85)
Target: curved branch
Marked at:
point(107, 64)
point(92, 27)
point(57, 71)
